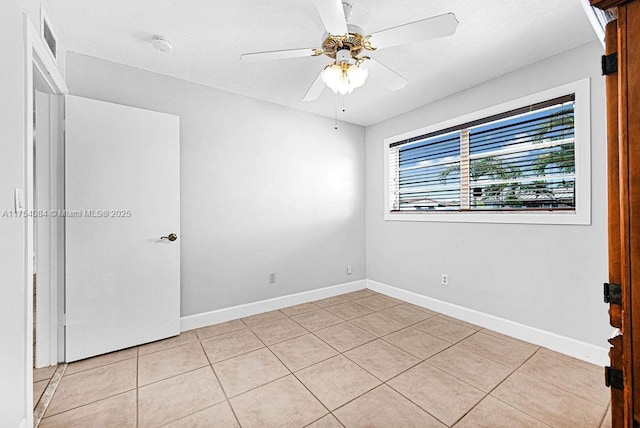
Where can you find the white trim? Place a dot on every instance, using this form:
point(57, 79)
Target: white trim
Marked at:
point(44, 250)
point(227, 314)
point(582, 127)
point(565, 345)
point(597, 20)
point(35, 56)
point(49, 252)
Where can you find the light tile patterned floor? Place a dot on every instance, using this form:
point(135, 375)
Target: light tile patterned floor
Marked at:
point(357, 360)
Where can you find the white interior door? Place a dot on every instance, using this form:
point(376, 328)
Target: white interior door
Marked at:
point(122, 196)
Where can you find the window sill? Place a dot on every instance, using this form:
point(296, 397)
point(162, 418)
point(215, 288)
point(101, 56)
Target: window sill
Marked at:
point(565, 218)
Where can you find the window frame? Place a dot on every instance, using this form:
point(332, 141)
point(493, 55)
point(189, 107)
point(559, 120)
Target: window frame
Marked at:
point(582, 146)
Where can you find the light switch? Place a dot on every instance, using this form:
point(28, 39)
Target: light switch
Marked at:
point(18, 196)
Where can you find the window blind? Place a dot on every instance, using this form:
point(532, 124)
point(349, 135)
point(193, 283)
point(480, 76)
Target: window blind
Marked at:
point(523, 159)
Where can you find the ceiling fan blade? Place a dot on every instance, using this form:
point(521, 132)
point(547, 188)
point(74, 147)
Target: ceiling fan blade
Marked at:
point(284, 54)
point(332, 15)
point(430, 28)
point(315, 90)
point(385, 75)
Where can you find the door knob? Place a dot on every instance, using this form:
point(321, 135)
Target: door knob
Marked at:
point(171, 237)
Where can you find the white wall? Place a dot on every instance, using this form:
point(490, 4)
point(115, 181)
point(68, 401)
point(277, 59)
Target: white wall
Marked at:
point(14, 367)
point(12, 274)
point(544, 276)
point(264, 188)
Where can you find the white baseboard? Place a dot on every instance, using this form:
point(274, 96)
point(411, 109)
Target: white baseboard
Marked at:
point(565, 345)
point(227, 314)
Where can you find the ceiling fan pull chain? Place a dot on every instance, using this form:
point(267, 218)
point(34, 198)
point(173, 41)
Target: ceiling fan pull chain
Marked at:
point(336, 113)
point(344, 108)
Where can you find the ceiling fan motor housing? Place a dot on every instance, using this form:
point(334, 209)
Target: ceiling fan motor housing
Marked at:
point(344, 55)
point(353, 42)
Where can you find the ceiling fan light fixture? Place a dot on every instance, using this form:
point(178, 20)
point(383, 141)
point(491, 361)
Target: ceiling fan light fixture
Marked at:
point(331, 74)
point(334, 77)
point(357, 75)
point(343, 77)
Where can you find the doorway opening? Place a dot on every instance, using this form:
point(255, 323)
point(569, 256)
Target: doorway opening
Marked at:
point(47, 198)
point(40, 202)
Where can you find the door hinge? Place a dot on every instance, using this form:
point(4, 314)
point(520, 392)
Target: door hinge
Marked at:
point(609, 64)
point(612, 293)
point(613, 378)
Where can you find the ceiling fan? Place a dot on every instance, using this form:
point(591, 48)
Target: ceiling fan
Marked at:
point(345, 44)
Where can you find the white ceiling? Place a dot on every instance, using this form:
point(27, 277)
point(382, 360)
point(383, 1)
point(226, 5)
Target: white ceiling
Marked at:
point(208, 36)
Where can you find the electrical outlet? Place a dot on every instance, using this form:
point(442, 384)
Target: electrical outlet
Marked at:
point(445, 279)
point(349, 269)
point(272, 278)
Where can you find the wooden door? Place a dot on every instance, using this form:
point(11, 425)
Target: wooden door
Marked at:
point(623, 128)
point(615, 266)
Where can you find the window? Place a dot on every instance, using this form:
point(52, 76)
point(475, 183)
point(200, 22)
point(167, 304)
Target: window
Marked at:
point(517, 159)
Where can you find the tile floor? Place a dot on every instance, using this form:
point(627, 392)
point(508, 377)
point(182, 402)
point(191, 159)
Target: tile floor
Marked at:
point(357, 360)
point(41, 379)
